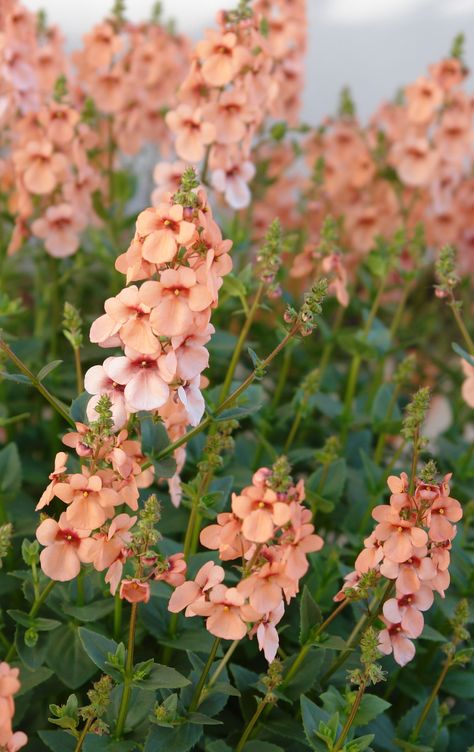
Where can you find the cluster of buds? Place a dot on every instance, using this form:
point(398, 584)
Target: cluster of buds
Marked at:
point(304, 321)
point(269, 259)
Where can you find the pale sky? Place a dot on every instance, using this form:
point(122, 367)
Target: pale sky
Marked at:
point(373, 46)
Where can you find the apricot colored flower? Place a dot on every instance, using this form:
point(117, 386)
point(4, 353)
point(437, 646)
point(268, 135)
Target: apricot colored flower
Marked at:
point(55, 477)
point(261, 512)
point(190, 591)
point(223, 611)
point(135, 591)
point(468, 385)
point(164, 231)
point(180, 297)
point(233, 183)
point(174, 572)
point(59, 227)
point(41, 167)
point(145, 388)
point(64, 548)
point(128, 316)
point(89, 502)
point(193, 133)
point(400, 536)
point(223, 57)
point(104, 548)
point(395, 638)
point(97, 383)
point(423, 98)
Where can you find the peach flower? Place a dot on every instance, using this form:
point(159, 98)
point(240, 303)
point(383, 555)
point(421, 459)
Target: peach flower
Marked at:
point(59, 228)
point(64, 548)
point(193, 133)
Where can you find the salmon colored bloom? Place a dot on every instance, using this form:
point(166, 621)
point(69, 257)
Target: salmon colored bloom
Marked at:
point(223, 611)
point(395, 638)
point(135, 591)
point(174, 573)
point(40, 166)
point(468, 384)
point(423, 98)
point(10, 741)
point(261, 512)
point(89, 502)
point(59, 227)
point(181, 296)
point(193, 133)
point(128, 316)
point(64, 548)
point(142, 377)
point(164, 231)
point(223, 57)
point(400, 536)
point(415, 161)
point(233, 183)
point(190, 591)
point(103, 549)
point(55, 477)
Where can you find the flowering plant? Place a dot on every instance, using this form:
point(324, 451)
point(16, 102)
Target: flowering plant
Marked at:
point(197, 545)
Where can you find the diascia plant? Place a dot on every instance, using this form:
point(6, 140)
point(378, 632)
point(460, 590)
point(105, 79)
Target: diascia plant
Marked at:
point(236, 424)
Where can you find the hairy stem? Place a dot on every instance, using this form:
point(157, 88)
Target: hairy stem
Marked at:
point(127, 684)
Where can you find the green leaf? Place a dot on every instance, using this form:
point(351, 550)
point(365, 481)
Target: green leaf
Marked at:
point(310, 616)
point(359, 744)
point(236, 413)
point(312, 716)
point(41, 625)
point(382, 408)
point(67, 658)
point(307, 674)
point(165, 468)
point(32, 678)
point(10, 469)
point(161, 677)
point(154, 435)
point(460, 683)
point(462, 353)
point(428, 731)
point(334, 482)
point(203, 720)
point(94, 743)
point(327, 404)
point(78, 408)
point(17, 378)
point(97, 647)
point(370, 707)
point(258, 746)
point(41, 375)
point(90, 612)
point(233, 287)
point(58, 741)
point(177, 739)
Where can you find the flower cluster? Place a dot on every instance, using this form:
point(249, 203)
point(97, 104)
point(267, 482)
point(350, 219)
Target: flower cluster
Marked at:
point(410, 546)
point(131, 73)
point(163, 325)
point(246, 70)
point(10, 741)
point(89, 530)
point(270, 530)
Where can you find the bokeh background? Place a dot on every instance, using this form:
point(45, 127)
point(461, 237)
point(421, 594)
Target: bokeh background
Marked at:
point(373, 46)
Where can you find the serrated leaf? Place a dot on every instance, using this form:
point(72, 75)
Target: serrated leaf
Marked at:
point(47, 369)
point(310, 615)
point(312, 716)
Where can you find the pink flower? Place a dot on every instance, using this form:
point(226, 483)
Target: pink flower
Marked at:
point(97, 383)
point(55, 477)
point(443, 511)
point(103, 549)
point(164, 231)
point(260, 511)
point(175, 571)
point(193, 133)
point(145, 388)
point(400, 536)
point(128, 316)
point(190, 591)
point(396, 639)
point(180, 298)
point(223, 57)
point(406, 609)
point(223, 611)
point(90, 503)
point(64, 552)
point(59, 227)
point(135, 591)
point(42, 169)
point(233, 183)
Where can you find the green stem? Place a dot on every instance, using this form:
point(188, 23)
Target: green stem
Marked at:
point(329, 346)
point(250, 725)
point(350, 720)
point(38, 602)
point(223, 663)
point(83, 735)
point(365, 621)
point(431, 699)
point(202, 680)
point(293, 430)
point(240, 343)
point(229, 401)
point(127, 684)
point(300, 658)
point(383, 436)
point(78, 367)
point(118, 608)
point(462, 327)
point(36, 383)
